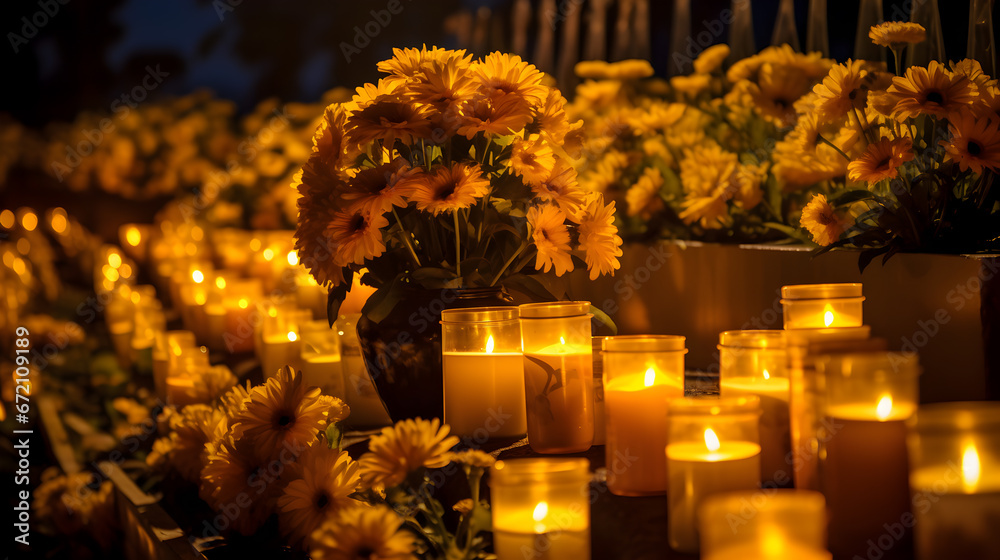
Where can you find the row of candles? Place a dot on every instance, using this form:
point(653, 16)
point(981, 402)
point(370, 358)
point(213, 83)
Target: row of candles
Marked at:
point(820, 406)
point(258, 300)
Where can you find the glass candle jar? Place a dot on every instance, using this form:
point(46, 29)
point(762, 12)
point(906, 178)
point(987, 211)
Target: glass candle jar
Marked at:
point(754, 362)
point(541, 508)
point(779, 525)
point(713, 446)
point(558, 375)
point(367, 410)
point(600, 432)
point(811, 306)
point(641, 375)
point(806, 394)
point(320, 358)
point(863, 464)
point(954, 453)
point(483, 371)
point(168, 345)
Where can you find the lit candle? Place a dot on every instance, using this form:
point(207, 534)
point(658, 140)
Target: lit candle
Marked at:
point(600, 419)
point(779, 525)
point(642, 374)
point(806, 388)
point(183, 371)
point(558, 376)
point(241, 313)
point(754, 362)
point(483, 372)
point(166, 345)
point(541, 509)
point(869, 396)
point(134, 239)
point(321, 365)
point(814, 306)
point(308, 293)
point(954, 453)
point(713, 446)
point(367, 410)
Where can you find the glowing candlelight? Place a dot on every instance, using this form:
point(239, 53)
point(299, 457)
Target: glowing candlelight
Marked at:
point(970, 468)
point(711, 440)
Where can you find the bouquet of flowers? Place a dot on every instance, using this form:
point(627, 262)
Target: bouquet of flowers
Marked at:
point(695, 159)
point(275, 450)
point(450, 173)
point(927, 147)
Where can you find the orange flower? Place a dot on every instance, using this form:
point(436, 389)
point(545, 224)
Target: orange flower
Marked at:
point(560, 186)
point(375, 190)
point(840, 91)
point(931, 91)
point(822, 221)
point(599, 236)
point(446, 189)
point(508, 74)
point(881, 160)
point(551, 237)
point(896, 34)
point(388, 119)
point(975, 144)
point(355, 236)
point(531, 159)
point(494, 114)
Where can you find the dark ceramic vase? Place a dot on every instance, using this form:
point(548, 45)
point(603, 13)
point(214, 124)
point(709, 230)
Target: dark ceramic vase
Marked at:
point(402, 352)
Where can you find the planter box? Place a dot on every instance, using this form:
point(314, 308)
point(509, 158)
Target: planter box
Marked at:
point(919, 302)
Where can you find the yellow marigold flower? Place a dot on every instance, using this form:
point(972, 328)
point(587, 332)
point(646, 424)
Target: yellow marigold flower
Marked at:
point(707, 175)
point(690, 85)
point(63, 501)
point(551, 239)
point(931, 91)
point(499, 114)
point(407, 64)
point(822, 221)
point(657, 148)
point(657, 117)
point(841, 91)
point(405, 448)
point(319, 485)
point(336, 409)
point(599, 237)
point(446, 189)
point(710, 59)
point(134, 412)
point(631, 69)
point(353, 236)
point(643, 197)
point(531, 159)
point(235, 476)
point(881, 160)
point(597, 95)
point(987, 103)
point(560, 187)
point(363, 532)
point(975, 144)
point(778, 87)
point(388, 119)
point(376, 190)
point(748, 181)
point(508, 74)
point(442, 83)
point(973, 70)
point(896, 34)
point(882, 102)
point(551, 116)
point(211, 383)
point(281, 414)
point(473, 458)
point(191, 429)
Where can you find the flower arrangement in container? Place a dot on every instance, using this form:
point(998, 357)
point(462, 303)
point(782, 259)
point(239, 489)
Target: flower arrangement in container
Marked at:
point(448, 175)
point(695, 159)
point(275, 451)
point(929, 142)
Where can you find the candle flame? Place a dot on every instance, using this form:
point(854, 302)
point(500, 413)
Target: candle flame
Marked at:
point(541, 510)
point(489, 345)
point(970, 467)
point(562, 340)
point(292, 336)
point(115, 260)
point(200, 298)
point(268, 254)
point(272, 312)
point(774, 545)
point(220, 282)
point(711, 440)
point(828, 317)
point(198, 276)
point(767, 375)
point(243, 303)
point(884, 407)
point(650, 377)
point(293, 259)
point(133, 236)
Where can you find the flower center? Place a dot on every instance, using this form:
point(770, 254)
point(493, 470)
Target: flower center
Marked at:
point(284, 420)
point(365, 552)
point(322, 501)
point(445, 192)
point(975, 148)
point(357, 223)
point(935, 97)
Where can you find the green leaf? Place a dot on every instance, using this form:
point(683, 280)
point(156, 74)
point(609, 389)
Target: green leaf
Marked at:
point(334, 435)
point(604, 319)
point(529, 286)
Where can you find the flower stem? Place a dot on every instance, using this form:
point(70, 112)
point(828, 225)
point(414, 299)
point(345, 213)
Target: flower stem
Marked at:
point(458, 246)
point(506, 264)
point(832, 145)
point(406, 238)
